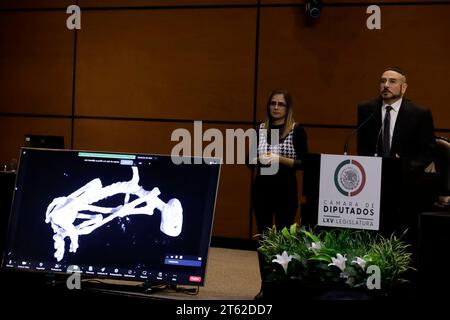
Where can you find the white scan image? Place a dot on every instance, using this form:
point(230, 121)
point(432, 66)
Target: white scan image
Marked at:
point(63, 212)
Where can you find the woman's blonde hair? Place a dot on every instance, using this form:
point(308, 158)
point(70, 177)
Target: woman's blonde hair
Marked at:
point(289, 120)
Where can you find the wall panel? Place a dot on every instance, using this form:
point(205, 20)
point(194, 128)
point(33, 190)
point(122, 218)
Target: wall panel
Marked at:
point(151, 63)
point(335, 63)
point(355, 2)
point(36, 63)
point(185, 64)
point(233, 199)
point(233, 202)
point(35, 4)
point(157, 3)
point(330, 140)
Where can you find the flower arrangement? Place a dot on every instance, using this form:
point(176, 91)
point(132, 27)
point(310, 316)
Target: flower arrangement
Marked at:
point(340, 257)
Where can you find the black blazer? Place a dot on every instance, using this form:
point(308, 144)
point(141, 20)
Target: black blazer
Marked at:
point(413, 132)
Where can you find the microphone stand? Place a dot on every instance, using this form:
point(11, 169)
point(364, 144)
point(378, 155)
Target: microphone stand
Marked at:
point(378, 141)
point(356, 130)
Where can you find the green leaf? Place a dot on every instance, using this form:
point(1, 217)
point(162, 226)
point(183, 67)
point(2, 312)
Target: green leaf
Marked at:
point(293, 229)
point(320, 258)
point(311, 236)
point(286, 233)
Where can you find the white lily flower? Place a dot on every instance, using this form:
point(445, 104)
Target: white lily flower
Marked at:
point(339, 262)
point(283, 260)
point(315, 246)
point(360, 262)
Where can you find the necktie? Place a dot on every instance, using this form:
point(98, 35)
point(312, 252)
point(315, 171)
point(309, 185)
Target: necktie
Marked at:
point(387, 132)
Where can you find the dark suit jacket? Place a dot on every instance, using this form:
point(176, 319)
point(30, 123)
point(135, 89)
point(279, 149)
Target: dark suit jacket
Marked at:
point(413, 132)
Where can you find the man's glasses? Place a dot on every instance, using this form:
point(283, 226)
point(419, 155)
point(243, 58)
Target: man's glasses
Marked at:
point(274, 103)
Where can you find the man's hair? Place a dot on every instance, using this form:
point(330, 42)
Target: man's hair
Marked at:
point(396, 69)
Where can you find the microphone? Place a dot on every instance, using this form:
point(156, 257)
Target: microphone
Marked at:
point(378, 140)
point(356, 130)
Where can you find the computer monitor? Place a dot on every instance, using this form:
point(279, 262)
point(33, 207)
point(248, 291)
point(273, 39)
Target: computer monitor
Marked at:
point(138, 217)
point(44, 141)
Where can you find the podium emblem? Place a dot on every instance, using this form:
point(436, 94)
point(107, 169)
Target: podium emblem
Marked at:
point(349, 177)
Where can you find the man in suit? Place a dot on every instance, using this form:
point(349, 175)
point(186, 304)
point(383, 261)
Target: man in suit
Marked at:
point(407, 131)
point(393, 126)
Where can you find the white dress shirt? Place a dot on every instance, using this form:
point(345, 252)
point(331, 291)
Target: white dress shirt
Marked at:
point(394, 113)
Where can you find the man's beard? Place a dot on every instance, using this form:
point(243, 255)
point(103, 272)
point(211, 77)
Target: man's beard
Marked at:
point(390, 95)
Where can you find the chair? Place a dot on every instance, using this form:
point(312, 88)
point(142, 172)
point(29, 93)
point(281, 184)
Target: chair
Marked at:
point(442, 164)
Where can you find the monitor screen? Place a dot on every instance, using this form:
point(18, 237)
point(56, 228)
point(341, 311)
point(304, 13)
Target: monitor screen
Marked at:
point(41, 141)
point(113, 215)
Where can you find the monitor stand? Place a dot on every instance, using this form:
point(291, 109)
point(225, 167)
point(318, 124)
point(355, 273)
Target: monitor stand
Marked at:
point(146, 289)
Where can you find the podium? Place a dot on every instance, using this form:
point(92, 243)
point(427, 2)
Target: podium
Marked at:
point(399, 199)
point(403, 196)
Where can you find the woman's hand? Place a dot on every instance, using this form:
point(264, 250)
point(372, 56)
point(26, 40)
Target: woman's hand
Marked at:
point(269, 158)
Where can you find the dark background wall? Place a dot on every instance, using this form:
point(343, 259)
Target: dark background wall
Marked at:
point(138, 69)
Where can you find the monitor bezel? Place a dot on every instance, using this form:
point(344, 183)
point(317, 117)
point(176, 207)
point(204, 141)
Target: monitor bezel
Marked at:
point(105, 278)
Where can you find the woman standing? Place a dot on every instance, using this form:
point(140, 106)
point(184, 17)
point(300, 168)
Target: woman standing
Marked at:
point(276, 195)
